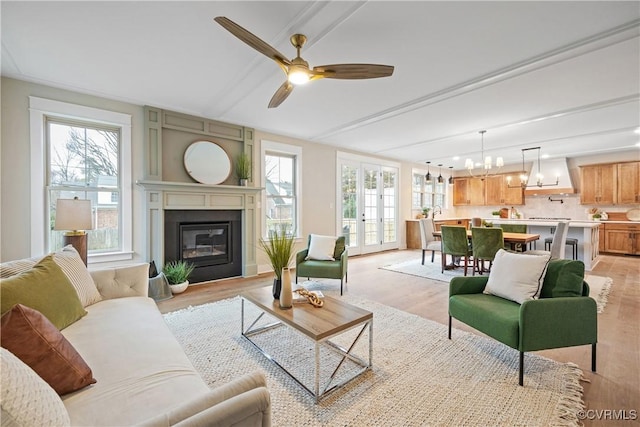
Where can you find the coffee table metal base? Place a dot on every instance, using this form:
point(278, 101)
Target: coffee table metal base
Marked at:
point(329, 387)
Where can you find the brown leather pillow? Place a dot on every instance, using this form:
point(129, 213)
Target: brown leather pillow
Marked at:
point(31, 337)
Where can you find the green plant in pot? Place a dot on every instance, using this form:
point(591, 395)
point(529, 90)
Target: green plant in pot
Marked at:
point(177, 273)
point(279, 248)
point(243, 168)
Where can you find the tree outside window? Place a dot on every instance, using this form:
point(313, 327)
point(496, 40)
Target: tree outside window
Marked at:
point(83, 162)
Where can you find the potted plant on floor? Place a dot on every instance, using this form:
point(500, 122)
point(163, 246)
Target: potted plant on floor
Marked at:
point(279, 248)
point(243, 168)
point(177, 273)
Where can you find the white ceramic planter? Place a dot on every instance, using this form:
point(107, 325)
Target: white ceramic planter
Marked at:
point(179, 288)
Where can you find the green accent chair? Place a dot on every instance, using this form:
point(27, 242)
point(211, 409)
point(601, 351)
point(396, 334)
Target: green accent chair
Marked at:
point(515, 228)
point(486, 242)
point(455, 243)
point(324, 269)
point(563, 316)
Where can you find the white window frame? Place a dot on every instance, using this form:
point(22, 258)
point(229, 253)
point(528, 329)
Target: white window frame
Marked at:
point(288, 150)
point(39, 109)
point(444, 194)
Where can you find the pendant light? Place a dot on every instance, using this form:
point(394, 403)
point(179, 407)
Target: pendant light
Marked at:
point(524, 178)
point(486, 162)
point(451, 175)
point(440, 178)
point(427, 177)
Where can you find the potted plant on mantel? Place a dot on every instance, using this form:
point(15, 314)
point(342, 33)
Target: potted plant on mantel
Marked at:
point(279, 248)
point(177, 273)
point(243, 168)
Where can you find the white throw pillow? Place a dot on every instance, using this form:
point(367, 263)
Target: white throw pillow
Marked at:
point(517, 277)
point(321, 247)
point(69, 261)
point(27, 400)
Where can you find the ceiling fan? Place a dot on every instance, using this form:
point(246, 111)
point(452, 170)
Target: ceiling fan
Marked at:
point(297, 69)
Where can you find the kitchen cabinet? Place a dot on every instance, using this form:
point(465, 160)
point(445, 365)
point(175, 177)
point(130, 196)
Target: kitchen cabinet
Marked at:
point(413, 234)
point(598, 184)
point(497, 191)
point(622, 238)
point(468, 191)
point(464, 222)
point(628, 183)
point(601, 238)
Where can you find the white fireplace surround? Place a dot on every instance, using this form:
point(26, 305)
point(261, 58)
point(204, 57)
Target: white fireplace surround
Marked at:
point(163, 195)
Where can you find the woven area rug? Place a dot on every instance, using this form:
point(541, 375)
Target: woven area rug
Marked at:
point(599, 287)
point(419, 377)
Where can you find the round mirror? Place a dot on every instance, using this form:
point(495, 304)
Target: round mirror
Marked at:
point(207, 162)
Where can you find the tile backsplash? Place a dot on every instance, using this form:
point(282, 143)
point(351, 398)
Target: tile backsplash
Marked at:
point(537, 206)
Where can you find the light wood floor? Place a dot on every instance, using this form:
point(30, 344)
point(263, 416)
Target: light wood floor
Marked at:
point(615, 385)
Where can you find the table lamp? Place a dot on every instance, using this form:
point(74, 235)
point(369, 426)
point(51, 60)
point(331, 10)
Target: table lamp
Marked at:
point(74, 215)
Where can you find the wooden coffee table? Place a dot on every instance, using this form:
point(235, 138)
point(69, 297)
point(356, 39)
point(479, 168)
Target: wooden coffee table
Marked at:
point(318, 324)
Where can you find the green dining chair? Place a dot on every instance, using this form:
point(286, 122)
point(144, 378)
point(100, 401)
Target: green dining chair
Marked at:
point(515, 228)
point(455, 243)
point(485, 243)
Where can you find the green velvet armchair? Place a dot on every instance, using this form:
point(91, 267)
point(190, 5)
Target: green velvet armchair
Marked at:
point(324, 269)
point(563, 316)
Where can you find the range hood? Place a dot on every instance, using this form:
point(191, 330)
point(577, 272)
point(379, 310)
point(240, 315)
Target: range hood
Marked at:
point(550, 169)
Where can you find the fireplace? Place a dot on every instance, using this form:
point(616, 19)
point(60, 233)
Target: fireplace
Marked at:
point(205, 243)
point(209, 239)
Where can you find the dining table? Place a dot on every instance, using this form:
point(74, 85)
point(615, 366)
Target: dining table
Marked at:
point(509, 238)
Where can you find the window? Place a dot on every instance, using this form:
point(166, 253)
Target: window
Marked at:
point(281, 170)
point(427, 194)
point(83, 162)
point(82, 152)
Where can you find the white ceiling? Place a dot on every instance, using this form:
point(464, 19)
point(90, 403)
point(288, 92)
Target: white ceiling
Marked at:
point(561, 75)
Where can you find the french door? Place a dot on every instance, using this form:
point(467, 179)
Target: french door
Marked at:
point(368, 206)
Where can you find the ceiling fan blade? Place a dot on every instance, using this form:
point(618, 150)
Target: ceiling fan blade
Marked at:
point(281, 94)
point(354, 71)
point(252, 40)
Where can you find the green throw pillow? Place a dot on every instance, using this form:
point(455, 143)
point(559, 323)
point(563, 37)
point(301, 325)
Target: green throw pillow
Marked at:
point(44, 288)
point(339, 248)
point(563, 279)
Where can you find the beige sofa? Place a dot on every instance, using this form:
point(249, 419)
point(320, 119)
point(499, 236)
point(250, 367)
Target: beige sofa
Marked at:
point(143, 375)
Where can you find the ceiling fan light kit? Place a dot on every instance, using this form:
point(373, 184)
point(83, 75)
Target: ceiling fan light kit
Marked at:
point(297, 70)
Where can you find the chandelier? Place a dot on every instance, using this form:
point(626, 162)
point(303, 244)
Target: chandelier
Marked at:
point(524, 178)
point(469, 164)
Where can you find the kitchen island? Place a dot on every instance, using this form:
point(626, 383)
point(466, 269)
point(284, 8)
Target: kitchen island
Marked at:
point(586, 232)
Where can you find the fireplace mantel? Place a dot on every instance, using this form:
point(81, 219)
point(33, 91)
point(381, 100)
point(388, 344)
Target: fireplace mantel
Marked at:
point(194, 186)
point(167, 195)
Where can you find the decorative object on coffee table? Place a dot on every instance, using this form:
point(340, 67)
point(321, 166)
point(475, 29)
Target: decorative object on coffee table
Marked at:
point(286, 294)
point(279, 249)
point(312, 297)
point(177, 273)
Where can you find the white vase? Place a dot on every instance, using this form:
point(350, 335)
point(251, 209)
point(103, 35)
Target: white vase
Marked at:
point(179, 287)
point(286, 294)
